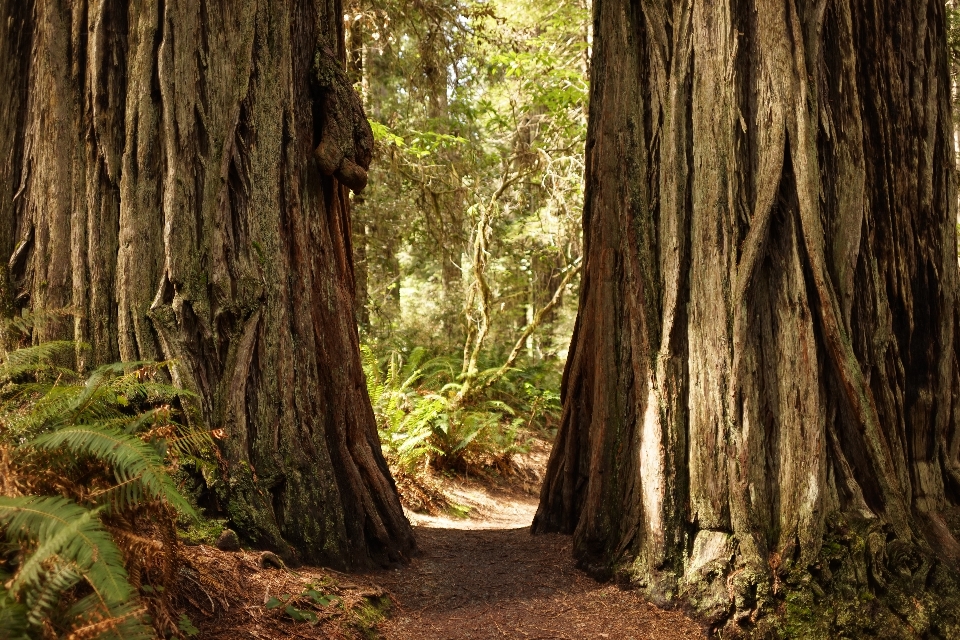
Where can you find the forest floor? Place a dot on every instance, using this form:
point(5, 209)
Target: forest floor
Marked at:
point(485, 576)
point(479, 574)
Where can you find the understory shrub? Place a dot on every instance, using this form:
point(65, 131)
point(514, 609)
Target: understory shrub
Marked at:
point(423, 421)
point(87, 504)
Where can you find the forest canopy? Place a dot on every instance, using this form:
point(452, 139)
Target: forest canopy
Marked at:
point(466, 242)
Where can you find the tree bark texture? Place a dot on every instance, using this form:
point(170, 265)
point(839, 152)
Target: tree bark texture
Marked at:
point(766, 332)
point(158, 176)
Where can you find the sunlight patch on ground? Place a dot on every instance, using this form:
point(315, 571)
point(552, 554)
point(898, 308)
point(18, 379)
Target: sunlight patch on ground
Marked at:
point(485, 508)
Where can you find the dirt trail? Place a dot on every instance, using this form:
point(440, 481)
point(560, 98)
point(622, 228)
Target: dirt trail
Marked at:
point(487, 577)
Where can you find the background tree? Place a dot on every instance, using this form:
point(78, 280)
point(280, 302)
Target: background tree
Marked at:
point(159, 179)
point(479, 109)
point(468, 243)
point(761, 392)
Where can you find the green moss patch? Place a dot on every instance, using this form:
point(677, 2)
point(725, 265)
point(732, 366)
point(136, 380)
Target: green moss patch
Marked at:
point(868, 584)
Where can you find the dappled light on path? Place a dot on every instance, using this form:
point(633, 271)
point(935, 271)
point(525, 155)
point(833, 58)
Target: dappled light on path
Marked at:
point(487, 577)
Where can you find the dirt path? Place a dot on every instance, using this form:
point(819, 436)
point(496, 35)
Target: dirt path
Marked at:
point(487, 577)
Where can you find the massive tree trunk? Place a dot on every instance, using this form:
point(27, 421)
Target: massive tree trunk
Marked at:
point(158, 177)
point(765, 354)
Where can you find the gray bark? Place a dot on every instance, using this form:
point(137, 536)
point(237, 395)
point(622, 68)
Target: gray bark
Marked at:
point(766, 333)
point(168, 191)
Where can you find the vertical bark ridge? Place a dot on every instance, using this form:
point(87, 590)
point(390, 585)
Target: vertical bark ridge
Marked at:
point(16, 33)
point(174, 201)
point(766, 325)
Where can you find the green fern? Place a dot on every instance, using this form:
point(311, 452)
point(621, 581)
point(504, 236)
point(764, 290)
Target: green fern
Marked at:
point(13, 614)
point(68, 535)
point(39, 361)
point(418, 424)
point(56, 423)
point(138, 468)
point(42, 602)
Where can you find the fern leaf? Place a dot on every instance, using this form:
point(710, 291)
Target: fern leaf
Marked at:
point(129, 456)
point(413, 362)
point(42, 602)
point(74, 535)
point(120, 496)
point(191, 443)
point(13, 615)
point(44, 353)
point(65, 529)
point(123, 623)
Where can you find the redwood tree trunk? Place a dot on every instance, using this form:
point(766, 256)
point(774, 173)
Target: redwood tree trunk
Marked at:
point(765, 352)
point(158, 176)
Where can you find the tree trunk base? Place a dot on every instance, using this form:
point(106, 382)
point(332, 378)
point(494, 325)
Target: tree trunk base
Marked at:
point(865, 583)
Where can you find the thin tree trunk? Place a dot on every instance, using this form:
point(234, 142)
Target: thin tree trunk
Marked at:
point(14, 38)
point(767, 317)
point(171, 195)
point(358, 229)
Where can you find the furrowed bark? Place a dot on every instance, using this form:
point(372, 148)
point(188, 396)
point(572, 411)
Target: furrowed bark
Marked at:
point(765, 342)
point(168, 183)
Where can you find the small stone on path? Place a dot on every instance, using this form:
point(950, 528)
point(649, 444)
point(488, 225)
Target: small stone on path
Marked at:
point(228, 541)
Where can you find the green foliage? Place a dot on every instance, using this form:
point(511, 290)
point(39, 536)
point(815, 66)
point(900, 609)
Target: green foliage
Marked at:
point(186, 627)
point(479, 113)
point(202, 530)
point(953, 35)
point(953, 54)
point(82, 459)
point(468, 237)
point(298, 608)
point(69, 545)
point(405, 417)
point(139, 469)
point(421, 421)
point(369, 613)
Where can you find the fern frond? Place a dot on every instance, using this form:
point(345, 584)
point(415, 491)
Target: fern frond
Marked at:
point(451, 388)
point(27, 320)
point(497, 405)
point(371, 370)
point(13, 614)
point(55, 403)
point(11, 372)
point(133, 386)
point(410, 379)
point(120, 496)
point(75, 542)
point(43, 353)
point(191, 443)
point(65, 529)
point(466, 440)
point(130, 457)
point(123, 623)
point(42, 602)
point(413, 362)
